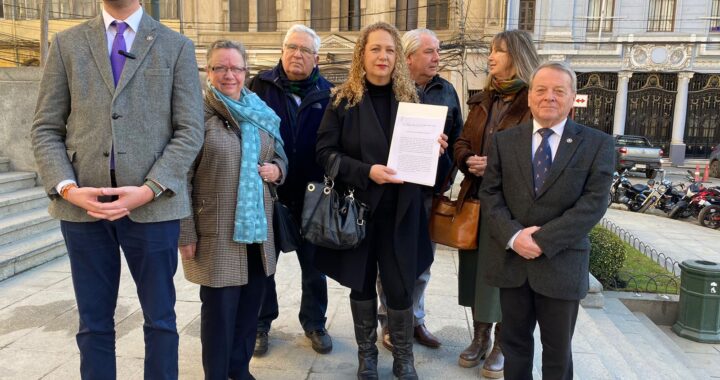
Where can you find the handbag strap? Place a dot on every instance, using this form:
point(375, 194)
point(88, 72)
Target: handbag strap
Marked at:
point(273, 192)
point(332, 167)
point(462, 196)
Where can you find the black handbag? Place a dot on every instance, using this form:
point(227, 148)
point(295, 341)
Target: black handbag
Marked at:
point(330, 220)
point(287, 233)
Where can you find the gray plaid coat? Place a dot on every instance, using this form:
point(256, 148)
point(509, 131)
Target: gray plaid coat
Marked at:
point(213, 183)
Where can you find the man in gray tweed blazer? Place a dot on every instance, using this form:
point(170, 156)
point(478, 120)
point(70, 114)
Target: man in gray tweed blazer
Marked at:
point(117, 125)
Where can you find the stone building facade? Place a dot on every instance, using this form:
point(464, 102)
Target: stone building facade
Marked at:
point(650, 67)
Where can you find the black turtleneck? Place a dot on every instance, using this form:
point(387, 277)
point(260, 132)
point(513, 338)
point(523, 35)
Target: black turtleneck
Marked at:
point(381, 97)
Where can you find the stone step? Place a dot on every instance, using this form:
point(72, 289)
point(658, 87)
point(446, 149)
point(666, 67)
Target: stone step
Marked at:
point(596, 353)
point(647, 344)
point(4, 164)
point(30, 252)
point(13, 181)
point(642, 364)
point(25, 224)
point(22, 200)
point(587, 364)
point(678, 357)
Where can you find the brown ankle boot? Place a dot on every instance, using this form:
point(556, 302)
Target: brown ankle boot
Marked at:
point(495, 362)
point(477, 349)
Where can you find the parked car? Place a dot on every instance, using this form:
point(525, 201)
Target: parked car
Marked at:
point(635, 153)
point(715, 162)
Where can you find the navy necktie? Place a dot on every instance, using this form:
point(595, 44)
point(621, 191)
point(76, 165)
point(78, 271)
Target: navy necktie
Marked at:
point(542, 159)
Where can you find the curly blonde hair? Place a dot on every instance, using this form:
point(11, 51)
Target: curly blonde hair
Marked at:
point(354, 88)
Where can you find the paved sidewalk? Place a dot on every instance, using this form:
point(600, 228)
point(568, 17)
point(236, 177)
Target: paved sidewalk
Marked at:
point(38, 321)
point(683, 239)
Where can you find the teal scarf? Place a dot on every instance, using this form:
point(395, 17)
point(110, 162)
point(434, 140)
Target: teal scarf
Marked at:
point(251, 113)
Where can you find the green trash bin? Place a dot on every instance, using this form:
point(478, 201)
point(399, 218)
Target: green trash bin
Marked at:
point(699, 309)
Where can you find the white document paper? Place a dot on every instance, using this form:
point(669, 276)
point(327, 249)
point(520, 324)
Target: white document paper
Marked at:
point(414, 150)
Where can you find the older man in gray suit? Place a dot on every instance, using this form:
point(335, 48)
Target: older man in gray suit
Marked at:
point(117, 125)
point(545, 187)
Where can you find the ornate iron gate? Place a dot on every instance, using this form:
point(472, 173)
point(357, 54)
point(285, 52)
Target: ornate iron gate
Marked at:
point(601, 89)
point(702, 125)
point(651, 105)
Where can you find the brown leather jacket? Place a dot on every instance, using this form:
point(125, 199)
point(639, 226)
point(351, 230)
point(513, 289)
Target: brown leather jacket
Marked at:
point(471, 141)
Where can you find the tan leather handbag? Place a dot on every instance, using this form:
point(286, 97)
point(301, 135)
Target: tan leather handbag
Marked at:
point(455, 223)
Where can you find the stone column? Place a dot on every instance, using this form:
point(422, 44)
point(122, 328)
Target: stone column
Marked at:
point(335, 16)
point(422, 13)
point(677, 146)
point(621, 103)
point(252, 16)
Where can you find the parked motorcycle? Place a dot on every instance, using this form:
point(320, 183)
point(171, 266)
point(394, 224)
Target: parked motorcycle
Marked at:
point(695, 199)
point(660, 196)
point(624, 192)
point(682, 208)
point(710, 215)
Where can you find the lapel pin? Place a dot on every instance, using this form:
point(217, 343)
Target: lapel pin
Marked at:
point(569, 141)
point(150, 38)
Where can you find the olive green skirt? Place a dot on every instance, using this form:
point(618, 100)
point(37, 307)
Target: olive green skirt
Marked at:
point(472, 289)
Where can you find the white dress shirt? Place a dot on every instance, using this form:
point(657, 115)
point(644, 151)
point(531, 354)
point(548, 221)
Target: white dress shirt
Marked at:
point(133, 22)
point(554, 141)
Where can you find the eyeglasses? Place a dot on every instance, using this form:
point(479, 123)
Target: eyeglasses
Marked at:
point(236, 70)
point(292, 48)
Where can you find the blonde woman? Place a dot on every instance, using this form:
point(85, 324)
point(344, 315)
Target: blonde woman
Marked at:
point(357, 128)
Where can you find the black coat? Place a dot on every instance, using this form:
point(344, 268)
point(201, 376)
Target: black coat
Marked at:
point(357, 136)
point(298, 128)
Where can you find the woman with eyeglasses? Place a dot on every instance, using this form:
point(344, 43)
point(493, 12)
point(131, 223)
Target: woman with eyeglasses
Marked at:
point(227, 245)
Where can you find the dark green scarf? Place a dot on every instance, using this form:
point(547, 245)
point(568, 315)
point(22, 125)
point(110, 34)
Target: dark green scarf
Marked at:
point(508, 86)
point(299, 87)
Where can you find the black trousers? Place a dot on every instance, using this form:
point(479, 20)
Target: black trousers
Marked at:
point(381, 258)
point(521, 309)
point(229, 323)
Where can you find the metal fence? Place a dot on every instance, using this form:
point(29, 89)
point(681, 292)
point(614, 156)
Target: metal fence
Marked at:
point(660, 258)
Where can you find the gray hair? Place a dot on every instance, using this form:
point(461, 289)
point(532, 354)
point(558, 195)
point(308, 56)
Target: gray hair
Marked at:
point(411, 39)
point(559, 66)
point(300, 28)
point(227, 44)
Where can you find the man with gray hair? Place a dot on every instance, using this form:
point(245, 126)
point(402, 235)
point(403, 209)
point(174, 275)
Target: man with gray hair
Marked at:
point(297, 92)
point(422, 52)
point(545, 187)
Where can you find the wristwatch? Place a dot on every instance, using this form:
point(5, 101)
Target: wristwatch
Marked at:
point(156, 189)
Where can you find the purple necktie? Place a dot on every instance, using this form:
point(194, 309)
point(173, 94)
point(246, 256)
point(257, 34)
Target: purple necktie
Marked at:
point(117, 61)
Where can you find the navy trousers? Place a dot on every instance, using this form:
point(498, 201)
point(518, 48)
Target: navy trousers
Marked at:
point(314, 299)
point(151, 253)
point(229, 323)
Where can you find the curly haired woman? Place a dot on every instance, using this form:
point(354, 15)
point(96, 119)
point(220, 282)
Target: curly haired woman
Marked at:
point(357, 129)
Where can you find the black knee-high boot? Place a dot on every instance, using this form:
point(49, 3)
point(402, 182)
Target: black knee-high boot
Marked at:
point(365, 320)
point(400, 323)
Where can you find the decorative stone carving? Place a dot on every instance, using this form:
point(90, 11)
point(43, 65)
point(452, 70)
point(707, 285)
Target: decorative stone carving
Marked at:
point(651, 57)
point(335, 41)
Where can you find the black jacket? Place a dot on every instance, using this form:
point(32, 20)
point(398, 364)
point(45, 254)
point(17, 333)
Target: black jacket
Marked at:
point(298, 128)
point(442, 93)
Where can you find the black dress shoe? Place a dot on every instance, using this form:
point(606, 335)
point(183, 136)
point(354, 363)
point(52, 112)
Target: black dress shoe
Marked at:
point(261, 343)
point(321, 341)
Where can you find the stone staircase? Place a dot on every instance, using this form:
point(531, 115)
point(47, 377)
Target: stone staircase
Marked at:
point(28, 235)
point(614, 343)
